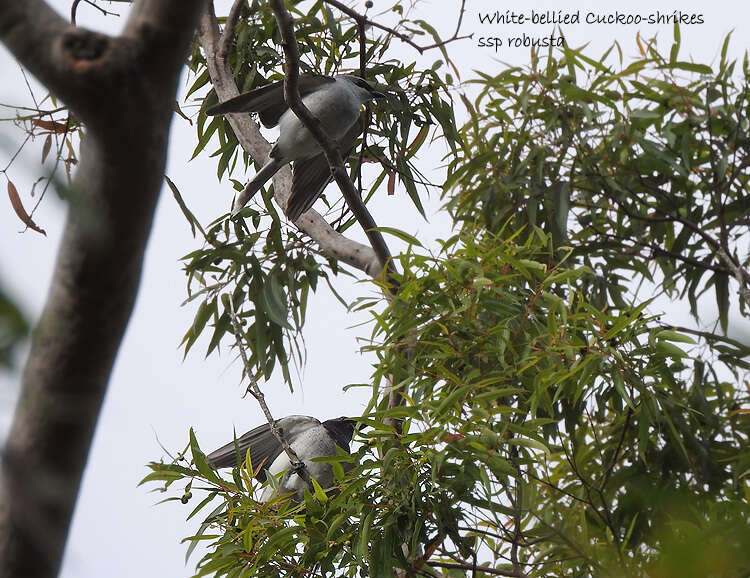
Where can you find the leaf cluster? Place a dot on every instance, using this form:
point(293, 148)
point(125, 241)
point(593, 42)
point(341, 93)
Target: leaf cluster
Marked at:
point(576, 440)
point(266, 266)
point(551, 424)
point(632, 164)
point(539, 432)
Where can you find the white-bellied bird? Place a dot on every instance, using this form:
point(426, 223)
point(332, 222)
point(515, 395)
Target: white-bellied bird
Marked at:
point(334, 100)
point(308, 437)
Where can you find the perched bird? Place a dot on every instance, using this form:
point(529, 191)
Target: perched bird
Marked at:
point(334, 100)
point(307, 436)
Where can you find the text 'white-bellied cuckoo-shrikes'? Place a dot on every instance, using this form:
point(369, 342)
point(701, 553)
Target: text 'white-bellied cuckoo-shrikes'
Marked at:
point(334, 100)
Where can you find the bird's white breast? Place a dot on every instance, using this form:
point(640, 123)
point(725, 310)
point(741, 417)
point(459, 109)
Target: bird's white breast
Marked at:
point(314, 441)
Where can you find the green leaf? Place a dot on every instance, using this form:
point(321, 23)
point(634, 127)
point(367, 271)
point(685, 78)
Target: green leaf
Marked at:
point(278, 538)
point(404, 236)
point(194, 540)
point(624, 321)
point(674, 336)
point(274, 302)
point(364, 537)
point(210, 497)
point(320, 495)
point(619, 383)
point(670, 350)
point(721, 285)
point(199, 459)
point(691, 67)
point(206, 136)
point(183, 207)
point(529, 443)
point(560, 195)
point(205, 310)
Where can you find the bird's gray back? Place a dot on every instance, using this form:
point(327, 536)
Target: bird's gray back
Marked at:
point(334, 105)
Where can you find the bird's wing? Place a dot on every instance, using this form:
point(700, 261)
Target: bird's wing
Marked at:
point(263, 445)
point(311, 176)
point(268, 101)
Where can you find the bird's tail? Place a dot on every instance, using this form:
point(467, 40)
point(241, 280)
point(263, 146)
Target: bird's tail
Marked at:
point(266, 172)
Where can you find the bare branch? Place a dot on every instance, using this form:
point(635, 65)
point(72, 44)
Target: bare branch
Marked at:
point(330, 146)
point(363, 21)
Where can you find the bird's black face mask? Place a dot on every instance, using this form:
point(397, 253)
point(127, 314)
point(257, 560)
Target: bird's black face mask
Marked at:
point(341, 430)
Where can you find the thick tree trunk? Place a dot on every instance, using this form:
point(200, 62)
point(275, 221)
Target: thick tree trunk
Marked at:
point(122, 89)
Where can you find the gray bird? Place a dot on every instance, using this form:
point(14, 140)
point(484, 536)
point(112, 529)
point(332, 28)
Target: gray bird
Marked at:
point(307, 436)
point(334, 100)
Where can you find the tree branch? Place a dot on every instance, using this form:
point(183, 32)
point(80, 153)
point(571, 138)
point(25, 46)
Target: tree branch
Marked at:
point(311, 223)
point(125, 101)
point(228, 34)
point(74, 10)
point(363, 21)
point(35, 35)
point(330, 146)
point(333, 156)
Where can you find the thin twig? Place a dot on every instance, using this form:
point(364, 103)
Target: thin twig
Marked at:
point(362, 20)
point(15, 154)
point(231, 23)
point(616, 455)
point(58, 156)
point(74, 9)
point(297, 465)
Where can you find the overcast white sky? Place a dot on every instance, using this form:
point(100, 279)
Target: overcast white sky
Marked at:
point(117, 531)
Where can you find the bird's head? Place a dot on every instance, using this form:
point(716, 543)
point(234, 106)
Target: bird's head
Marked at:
point(341, 429)
point(362, 88)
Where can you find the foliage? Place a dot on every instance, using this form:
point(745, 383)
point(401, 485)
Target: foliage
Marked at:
point(646, 163)
point(552, 424)
point(533, 418)
point(60, 134)
point(267, 266)
point(580, 431)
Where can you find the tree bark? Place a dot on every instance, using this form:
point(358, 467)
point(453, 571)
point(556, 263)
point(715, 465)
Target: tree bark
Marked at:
point(122, 88)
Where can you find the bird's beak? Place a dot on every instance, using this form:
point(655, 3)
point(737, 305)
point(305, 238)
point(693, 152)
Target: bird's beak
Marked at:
point(376, 94)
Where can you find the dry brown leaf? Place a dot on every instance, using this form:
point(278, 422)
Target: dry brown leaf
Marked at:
point(15, 200)
point(421, 135)
point(51, 125)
